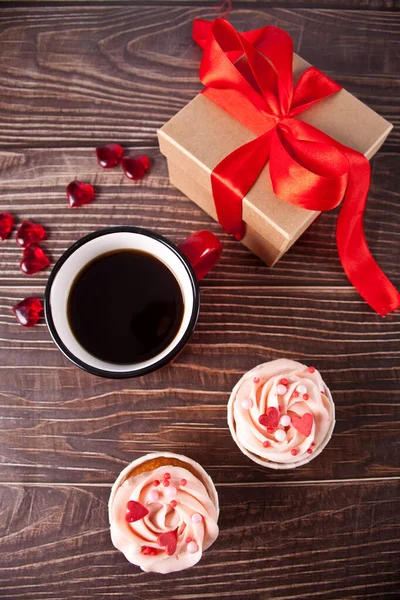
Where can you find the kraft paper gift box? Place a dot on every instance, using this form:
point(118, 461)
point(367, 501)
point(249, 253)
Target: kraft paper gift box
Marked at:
point(198, 137)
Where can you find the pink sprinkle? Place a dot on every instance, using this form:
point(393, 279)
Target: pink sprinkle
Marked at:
point(192, 547)
point(311, 369)
point(306, 397)
point(270, 429)
point(154, 496)
point(183, 482)
point(247, 403)
point(173, 503)
point(256, 379)
point(284, 381)
point(295, 394)
point(156, 482)
point(189, 539)
point(166, 482)
point(309, 451)
point(266, 444)
point(167, 475)
point(171, 491)
point(313, 444)
point(294, 452)
point(196, 518)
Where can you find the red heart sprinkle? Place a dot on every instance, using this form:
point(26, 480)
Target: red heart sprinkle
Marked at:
point(271, 419)
point(135, 168)
point(28, 312)
point(303, 424)
point(29, 233)
point(6, 224)
point(108, 156)
point(169, 540)
point(79, 193)
point(33, 260)
point(135, 511)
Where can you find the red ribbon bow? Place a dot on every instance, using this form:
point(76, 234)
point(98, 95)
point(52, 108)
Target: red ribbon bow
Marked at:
point(307, 167)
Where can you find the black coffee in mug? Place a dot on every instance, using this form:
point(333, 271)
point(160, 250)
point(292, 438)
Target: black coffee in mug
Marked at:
point(125, 307)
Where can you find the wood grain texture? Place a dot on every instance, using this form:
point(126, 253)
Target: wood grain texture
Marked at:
point(218, 7)
point(77, 74)
point(74, 75)
point(265, 549)
point(33, 186)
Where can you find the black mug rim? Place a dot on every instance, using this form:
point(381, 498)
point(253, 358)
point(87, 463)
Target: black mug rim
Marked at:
point(136, 372)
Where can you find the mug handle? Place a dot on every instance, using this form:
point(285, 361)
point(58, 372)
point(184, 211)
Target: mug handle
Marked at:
point(203, 250)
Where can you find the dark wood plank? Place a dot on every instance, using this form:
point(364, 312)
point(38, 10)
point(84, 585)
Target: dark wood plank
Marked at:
point(60, 424)
point(218, 6)
point(75, 75)
point(33, 187)
point(278, 542)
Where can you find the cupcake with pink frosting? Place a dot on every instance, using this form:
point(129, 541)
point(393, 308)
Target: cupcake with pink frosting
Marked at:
point(281, 414)
point(163, 512)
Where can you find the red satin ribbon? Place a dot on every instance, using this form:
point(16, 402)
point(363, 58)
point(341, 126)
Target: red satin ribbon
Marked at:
point(249, 75)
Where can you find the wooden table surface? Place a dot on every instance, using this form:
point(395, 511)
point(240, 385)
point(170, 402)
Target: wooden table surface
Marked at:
point(78, 74)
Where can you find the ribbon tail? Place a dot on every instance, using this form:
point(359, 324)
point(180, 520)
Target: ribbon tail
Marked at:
point(201, 31)
point(233, 177)
point(358, 263)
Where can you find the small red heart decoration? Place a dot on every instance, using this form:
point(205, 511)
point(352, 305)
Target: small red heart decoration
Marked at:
point(79, 193)
point(6, 224)
point(135, 511)
point(135, 168)
point(270, 419)
point(28, 312)
point(29, 233)
point(169, 540)
point(108, 156)
point(303, 424)
point(33, 260)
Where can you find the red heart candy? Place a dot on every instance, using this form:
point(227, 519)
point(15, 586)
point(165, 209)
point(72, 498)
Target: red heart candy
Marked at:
point(303, 424)
point(6, 224)
point(28, 311)
point(135, 168)
point(135, 511)
point(108, 156)
point(79, 193)
point(169, 540)
point(33, 260)
point(271, 419)
point(29, 233)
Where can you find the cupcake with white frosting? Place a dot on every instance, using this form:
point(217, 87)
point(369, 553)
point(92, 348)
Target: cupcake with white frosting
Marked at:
point(163, 512)
point(281, 414)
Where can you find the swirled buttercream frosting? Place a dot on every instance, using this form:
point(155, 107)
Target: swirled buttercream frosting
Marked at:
point(163, 512)
point(281, 414)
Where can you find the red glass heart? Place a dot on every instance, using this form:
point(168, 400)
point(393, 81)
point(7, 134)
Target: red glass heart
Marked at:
point(169, 540)
point(108, 156)
point(28, 312)
point(6, 224)
point(33, 260)
point(79, 193)
point(29, 233)
point(303, 424)
point(135, 511)
point(135, 168)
